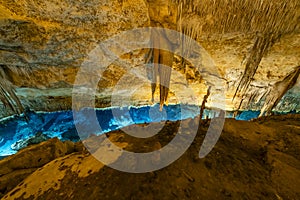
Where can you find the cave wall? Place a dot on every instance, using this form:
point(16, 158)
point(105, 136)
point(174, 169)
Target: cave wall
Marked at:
point(51, 39)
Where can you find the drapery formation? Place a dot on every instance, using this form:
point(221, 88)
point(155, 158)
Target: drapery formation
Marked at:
point(162, 61)
point(7, 90)
point(161, 13)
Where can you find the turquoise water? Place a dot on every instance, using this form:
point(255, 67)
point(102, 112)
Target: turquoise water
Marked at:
point(61, 124)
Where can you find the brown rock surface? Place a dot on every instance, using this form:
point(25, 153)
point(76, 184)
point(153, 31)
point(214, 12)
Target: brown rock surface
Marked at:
point(252, 160)
point(15, 168)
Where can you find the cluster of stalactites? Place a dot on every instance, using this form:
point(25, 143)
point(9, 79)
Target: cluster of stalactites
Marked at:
point(247, 16)
point(261, 46)
point(268, 19)
point(270, 96)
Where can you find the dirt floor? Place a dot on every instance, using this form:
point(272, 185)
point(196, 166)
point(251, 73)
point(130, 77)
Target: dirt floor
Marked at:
point(251, 160)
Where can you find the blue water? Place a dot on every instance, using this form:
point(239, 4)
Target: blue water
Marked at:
point(61, 124)
point(247, 115)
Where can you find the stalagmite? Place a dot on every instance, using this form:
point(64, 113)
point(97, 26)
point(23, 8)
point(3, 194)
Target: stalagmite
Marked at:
point(203, 103)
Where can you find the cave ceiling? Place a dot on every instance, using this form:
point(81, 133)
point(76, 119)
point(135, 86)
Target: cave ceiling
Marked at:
point(254, 45)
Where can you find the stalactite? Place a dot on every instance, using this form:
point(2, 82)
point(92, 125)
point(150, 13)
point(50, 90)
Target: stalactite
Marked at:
point(155, 40)
point(269, 19)
point(226, 16)
point(7, 90)
point(259, 49)
point(278, 90)
point(161, 68)
point(275, 20)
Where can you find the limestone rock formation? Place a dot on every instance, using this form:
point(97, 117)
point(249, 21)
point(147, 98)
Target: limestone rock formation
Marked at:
point(53, 38)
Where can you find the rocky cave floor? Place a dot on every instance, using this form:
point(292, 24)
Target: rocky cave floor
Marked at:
point(257, 159)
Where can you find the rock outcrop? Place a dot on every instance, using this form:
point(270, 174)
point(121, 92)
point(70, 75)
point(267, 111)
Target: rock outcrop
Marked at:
point(16, 168)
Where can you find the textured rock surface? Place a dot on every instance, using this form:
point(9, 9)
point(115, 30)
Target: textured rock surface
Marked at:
point(50, 40)
point(251, 160)
point(17, 167)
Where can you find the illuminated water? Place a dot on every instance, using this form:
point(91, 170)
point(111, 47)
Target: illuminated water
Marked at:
point(61, 124)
